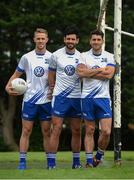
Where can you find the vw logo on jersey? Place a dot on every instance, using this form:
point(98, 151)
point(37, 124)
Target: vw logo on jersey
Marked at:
point(76, 61)
point(95, 67)
point(104, 60)
point(69, 70)
point(39, 71)
point(46, 61)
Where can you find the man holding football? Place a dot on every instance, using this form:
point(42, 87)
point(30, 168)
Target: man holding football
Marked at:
point(35, 102)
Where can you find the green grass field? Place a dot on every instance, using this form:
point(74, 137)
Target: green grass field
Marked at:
point(37, 167)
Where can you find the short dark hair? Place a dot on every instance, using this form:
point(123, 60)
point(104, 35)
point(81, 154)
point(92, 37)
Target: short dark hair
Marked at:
point(71, 30)
point(40, 30)
point(97, 32)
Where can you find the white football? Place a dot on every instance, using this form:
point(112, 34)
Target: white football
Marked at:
point(19, 85)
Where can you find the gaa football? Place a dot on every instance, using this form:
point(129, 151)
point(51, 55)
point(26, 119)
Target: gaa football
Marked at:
point(19, 85)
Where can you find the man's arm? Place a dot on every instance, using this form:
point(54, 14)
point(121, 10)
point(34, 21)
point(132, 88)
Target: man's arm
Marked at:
point(106, 73)
point(51, 82)
point(8, 87)
point(84, 71)
point(51, 78)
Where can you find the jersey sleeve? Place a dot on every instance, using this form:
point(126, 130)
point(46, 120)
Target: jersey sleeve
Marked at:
point(22, 65)
point(53, 63)
point(83, 58)
point(111, 60)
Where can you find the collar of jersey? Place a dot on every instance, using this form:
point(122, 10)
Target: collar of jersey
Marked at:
point(96, 54)
point(70, 53)
point(40, 54)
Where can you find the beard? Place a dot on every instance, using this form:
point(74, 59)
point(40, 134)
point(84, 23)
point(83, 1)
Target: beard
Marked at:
point(70, 46)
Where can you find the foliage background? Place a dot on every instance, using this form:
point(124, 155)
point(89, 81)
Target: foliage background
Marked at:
point(18, 20)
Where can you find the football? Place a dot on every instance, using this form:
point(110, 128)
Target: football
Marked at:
point(19, 85)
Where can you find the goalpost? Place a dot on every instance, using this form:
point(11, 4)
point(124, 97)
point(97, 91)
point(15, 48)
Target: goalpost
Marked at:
point(117, 81)
point(117, 78)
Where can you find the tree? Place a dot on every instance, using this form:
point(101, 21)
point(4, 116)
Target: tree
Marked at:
point(18, 20)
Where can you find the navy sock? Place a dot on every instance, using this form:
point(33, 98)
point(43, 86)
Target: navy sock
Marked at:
point(99, 154)
point(51, 159)
point(23, 157)
point(76, 158)
point(89, 158)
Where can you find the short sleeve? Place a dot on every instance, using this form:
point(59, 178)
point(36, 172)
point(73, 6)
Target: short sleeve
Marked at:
point(53, 63)
point(111, 60)
point(22, 65)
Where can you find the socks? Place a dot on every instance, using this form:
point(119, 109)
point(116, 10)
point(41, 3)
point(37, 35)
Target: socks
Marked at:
point(99, 154)
point(89, 158)
point(76, 158)
point(23, 157)
point(51, 158)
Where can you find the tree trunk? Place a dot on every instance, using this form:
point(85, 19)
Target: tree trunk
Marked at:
point(7, 117)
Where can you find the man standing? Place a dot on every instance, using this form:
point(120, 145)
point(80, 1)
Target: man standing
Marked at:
point(66, 87)
point(35, 101)
point(99, 68)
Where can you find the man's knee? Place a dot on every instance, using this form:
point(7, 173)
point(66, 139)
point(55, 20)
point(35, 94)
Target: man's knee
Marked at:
point(46, 132)
point(45, 127)
point(106, 132)
point(76, 131)
point(26, 131)
point(56, 129)
point(90, 130)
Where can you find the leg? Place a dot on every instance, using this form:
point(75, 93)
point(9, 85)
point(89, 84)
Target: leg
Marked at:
point(24, 142)
point(27, 127)
point(89, 142)
point(89, 136)
point(104, 138)
point(44, 114)
point(75, 124)
point(55, 134)
point(45, 127)
point(54, 141)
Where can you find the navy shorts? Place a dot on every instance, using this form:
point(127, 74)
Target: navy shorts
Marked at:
point(66, 107)
point(96, 108)
point(32, 111)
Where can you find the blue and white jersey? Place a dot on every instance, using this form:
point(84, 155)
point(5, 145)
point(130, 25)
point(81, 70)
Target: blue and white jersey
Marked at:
point(93, 88)
point(36, 68)
point(67, 81)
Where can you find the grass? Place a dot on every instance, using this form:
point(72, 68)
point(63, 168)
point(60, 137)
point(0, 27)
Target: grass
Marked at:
point(36, 167)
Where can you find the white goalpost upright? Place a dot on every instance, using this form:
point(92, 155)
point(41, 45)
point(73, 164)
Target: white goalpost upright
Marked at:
point(101, 18)
point(117, 81)
point(117, 78)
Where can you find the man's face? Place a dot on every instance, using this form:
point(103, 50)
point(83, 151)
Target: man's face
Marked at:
point(40, 40)
point(96, 42)
point(71, 41)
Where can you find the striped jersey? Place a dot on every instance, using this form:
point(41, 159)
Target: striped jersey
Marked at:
point(93, 88)
point(36, 68)
point(67, 81)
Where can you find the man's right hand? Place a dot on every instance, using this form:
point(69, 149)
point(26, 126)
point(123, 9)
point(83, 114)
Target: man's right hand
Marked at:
point(10, 90)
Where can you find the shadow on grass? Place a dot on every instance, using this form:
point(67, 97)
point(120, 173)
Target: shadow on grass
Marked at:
point(36, 164)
